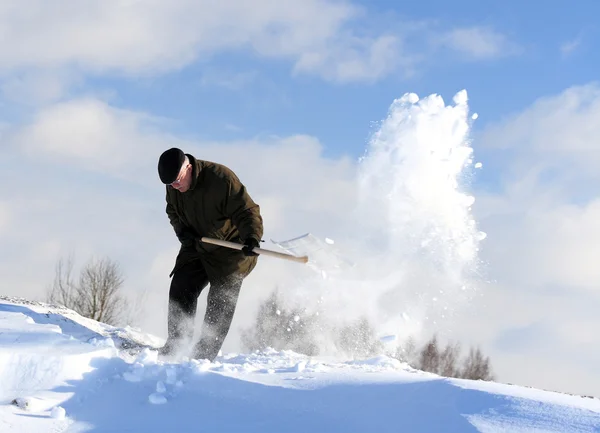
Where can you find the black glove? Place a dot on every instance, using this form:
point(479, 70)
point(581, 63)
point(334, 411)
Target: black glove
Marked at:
point(187, 238)
point(250, 244)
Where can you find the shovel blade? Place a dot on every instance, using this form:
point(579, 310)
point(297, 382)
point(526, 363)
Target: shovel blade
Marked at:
point(322, 256)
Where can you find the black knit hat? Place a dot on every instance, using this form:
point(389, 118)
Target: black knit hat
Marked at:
point(169, 165)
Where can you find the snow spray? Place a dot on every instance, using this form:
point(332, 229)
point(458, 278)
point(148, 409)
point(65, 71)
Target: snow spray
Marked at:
point(415, 215)
point(412, 237)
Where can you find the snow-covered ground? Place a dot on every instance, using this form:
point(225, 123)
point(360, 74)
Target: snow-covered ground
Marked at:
point(60, 372)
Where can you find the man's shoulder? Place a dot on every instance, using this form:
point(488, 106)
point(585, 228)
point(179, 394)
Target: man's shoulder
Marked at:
point(217, 170)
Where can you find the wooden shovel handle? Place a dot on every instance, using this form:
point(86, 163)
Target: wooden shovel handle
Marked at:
point(236, 246)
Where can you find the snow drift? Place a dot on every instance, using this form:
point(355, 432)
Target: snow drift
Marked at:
point(62, 372)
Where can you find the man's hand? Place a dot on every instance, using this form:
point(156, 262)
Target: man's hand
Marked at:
point(187, 239)
point(250, 244)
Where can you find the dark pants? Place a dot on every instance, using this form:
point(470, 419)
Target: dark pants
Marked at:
point(186, 286)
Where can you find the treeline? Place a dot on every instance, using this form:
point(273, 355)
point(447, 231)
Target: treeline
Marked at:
point(447, 360)
point(295, 329)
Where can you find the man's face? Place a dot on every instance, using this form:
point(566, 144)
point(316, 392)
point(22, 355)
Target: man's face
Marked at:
point(184, 179)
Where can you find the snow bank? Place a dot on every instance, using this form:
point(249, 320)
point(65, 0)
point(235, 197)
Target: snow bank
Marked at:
point(60, 373)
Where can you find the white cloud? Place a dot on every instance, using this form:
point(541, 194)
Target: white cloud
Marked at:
point(226, 79)
point(569, 47)
point(552, 149)
point(535, 339)
point(542, 217)
point(151, 37)
point(542, 245)
point(38, 87)
point(5, 217)
point(479, 43)
point(568, 240)
point(527, 369)
point(568, 122)
point(91, 133)
point(362, 59)
point(96, 136)
point(336, 40)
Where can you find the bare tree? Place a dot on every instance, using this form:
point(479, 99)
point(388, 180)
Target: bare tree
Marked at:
point(63, 290)
point(97, 294)
point(99, 291)
point(429, 360)
point(448, 361)
point(476, 366)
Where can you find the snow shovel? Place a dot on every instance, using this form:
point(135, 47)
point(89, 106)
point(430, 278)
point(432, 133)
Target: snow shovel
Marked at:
point(319, 255)
point(324, 258)
point(236, 246)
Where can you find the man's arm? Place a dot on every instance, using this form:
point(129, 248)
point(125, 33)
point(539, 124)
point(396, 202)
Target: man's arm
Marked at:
point(243, 211)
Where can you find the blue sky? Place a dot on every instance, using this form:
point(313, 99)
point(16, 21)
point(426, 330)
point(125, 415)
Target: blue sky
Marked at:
point(278, 90)
point(238, 94)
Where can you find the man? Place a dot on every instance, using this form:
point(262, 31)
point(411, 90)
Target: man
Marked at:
point(206, 199)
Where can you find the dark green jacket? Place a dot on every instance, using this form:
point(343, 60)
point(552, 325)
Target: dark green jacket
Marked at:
point(217, 205)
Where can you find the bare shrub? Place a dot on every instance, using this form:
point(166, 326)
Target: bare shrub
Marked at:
point(97, 294)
